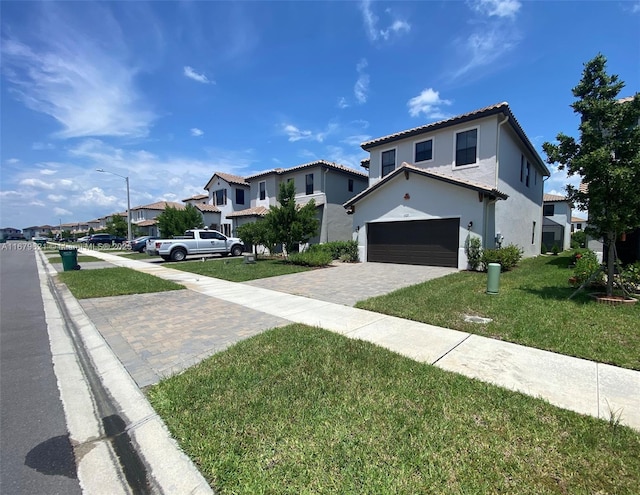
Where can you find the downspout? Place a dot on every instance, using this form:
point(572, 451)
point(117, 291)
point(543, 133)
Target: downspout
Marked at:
point(325, 212)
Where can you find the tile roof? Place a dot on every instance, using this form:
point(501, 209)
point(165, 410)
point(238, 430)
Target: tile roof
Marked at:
point(322, 163)
point(146, 223)
point(196, 197)
point(430, 174)
point(159, 205)
point(365, 162)
point(577, 220)
point(232, 179)
point(498, 108)
point(206, 207)
point(258, 211)
point(550, 198)
point(583, 187)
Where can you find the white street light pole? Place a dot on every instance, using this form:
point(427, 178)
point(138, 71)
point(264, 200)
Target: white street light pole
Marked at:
point(128, 200)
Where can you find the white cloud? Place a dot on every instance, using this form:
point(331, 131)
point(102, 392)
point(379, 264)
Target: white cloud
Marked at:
point(296, 134)
point(356, 140)
point(497, 8)
point(361, 88)
point(38, 146)
point(428, 102)
point(12, 161)
point(342, 102)
point(64, 70)
point(196, 132)
point(374, 33)
point(48, 171)
point(192, 74)
point(494, 34)
point(61, 212)
point(95, 196)
point(36, 184)
point(635, 8)
point(56, 198)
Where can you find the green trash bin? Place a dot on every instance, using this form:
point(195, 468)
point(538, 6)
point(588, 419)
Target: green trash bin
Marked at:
point(69, 259)
point(493, 278)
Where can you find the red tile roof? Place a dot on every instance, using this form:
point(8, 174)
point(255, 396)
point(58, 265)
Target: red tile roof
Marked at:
point(317, 163)
point(551, 198)
point(258, 211)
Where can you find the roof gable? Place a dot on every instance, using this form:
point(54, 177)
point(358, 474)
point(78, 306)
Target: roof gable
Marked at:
point(229, 178)
point(407, 168)
point(318, 163)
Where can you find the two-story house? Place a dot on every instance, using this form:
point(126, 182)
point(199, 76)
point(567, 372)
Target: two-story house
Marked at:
point(556, 222)
point(434, 186)
point(228, 193)
point(328, 184)
point(144, 217)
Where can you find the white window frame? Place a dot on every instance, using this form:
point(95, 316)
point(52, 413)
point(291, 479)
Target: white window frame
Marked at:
point(395, 161)
point(423, 140)
point(455, 142)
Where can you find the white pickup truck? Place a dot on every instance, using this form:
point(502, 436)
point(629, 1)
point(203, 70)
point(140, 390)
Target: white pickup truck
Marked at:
point(195, 242)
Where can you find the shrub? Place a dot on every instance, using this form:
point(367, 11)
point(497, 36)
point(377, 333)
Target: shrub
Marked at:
point(578, 239)
point(586, 265)
point(555, 250)
point(508, 257)
point(630, 278)
point(473, 250)
point(543, 248)
point(338, 250)
point(317, 257)
point(578, 253)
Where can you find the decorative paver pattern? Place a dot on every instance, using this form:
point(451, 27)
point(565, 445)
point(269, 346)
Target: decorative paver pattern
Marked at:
point(157, 335)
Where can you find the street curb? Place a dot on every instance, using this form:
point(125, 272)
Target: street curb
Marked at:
point(170, 471)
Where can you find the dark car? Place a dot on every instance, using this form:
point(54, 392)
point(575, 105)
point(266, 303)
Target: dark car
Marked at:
point(139, 244)
point(97, 239)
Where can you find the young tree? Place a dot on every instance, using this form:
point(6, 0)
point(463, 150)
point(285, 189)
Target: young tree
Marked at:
point(606, 156)
point(288, 223)
point(117, 226)
point(256, 233)
point(172, 221)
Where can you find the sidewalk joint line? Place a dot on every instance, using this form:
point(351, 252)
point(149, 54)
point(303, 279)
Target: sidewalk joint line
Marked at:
point(452, 349)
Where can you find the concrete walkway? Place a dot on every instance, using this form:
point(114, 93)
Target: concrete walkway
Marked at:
point(579, 385)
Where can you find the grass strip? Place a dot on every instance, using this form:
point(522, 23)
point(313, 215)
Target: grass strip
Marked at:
point(532, 308)
point(299, 410)
point(235, 270)
point(118, 281)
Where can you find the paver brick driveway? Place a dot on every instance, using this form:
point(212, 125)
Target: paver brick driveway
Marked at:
point(348, 283)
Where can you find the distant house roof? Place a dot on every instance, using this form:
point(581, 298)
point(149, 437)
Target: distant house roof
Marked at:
point(258, 211)
point(159, 205)
point(406, 167)
point(553, 198)
point(317, 163)
point(577, 220)
point(499, 108)
point(364, 163)
point(230, 178)
point(146, 223)
point(197, 197)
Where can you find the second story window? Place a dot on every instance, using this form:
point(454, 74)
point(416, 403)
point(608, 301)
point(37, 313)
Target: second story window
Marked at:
point(263, 190)
point(424, 151)
point(528, 172)
point(309, 183)
point(548, 210)
point(521, 168)
point(239, 196)
point(466, 147)
point(388, 159)
point(220, 196)
point(350, 185)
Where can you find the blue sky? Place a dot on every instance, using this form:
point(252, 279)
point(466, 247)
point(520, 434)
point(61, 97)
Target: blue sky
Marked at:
point(168, 92)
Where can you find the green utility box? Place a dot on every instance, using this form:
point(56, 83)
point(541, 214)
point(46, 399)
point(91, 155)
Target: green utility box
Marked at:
point(69, 259)
point(493, 278)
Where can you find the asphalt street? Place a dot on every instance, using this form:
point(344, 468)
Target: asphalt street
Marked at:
point(36, 455)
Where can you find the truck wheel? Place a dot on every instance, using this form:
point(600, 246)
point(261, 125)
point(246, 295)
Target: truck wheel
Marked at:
point(236, 250)
point(178, 254)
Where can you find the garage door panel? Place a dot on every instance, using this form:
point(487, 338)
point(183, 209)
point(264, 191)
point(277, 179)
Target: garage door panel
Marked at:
point(418, 242)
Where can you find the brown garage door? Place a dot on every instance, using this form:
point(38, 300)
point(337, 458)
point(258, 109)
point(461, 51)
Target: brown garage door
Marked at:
point(417, 242)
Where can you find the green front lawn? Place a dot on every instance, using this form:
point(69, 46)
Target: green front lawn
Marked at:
point(298, 410)
point(105, 282)
point(235, 270)
point(532, 309)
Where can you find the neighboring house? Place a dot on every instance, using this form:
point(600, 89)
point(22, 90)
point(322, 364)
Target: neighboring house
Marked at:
point(434, 186)
point(11, 233)
point(37, 231)
point(556, 222)
point(577, 224)
point(143, 217)
point(229, 193)
point(197, 199)
point(327, 183)
point(243, 200)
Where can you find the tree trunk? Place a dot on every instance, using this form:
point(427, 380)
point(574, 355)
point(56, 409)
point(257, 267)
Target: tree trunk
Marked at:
point(611, 262)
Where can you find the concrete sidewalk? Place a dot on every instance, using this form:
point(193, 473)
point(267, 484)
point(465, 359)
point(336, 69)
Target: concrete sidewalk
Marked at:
point(579, 385)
